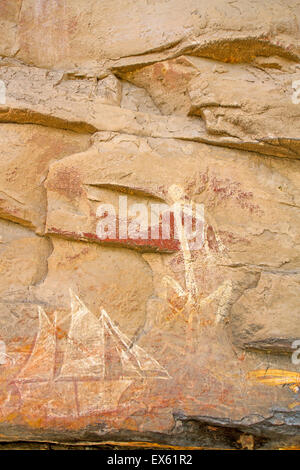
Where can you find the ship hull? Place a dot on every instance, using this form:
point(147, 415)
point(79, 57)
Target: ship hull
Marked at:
point(98, 364)
point(100, 396)
point(64, 399)
point(49, 398)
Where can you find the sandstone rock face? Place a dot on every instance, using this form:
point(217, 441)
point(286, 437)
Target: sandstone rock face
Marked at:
point(122, 123)
point(26, 154)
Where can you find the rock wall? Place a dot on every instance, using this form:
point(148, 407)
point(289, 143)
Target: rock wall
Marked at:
point(143, 337)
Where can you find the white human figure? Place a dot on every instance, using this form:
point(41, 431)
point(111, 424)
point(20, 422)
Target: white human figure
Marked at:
point(176, 195)
point(194, 300)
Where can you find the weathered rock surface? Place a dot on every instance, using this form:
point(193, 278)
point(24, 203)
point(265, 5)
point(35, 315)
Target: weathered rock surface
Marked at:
point(136, 337)
point(26, 153)
point(82, 105)
point(85, 35)
point(245, 106)
point(273, 321)
point(20, 247)
point(10, 12)
point(239, 106)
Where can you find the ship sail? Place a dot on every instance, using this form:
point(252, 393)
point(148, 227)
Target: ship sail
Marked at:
point(99, 360)
point(135, 361)
point(98, 350)
point(84, 354)
point(40, 365)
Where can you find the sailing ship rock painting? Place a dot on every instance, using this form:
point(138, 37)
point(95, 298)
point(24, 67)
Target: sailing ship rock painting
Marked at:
point(99, 364)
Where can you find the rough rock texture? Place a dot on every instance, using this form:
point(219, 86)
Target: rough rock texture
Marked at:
point(140, 341)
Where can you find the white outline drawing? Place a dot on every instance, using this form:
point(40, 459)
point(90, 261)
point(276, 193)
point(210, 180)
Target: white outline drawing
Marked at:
point(191, 292)
point(97, 352)
point(3, 355)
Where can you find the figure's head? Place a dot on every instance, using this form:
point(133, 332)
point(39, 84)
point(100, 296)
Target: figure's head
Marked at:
point(176, 192)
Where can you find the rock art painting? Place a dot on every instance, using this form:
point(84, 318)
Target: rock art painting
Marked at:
point(99, 362)
point(150, 223)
